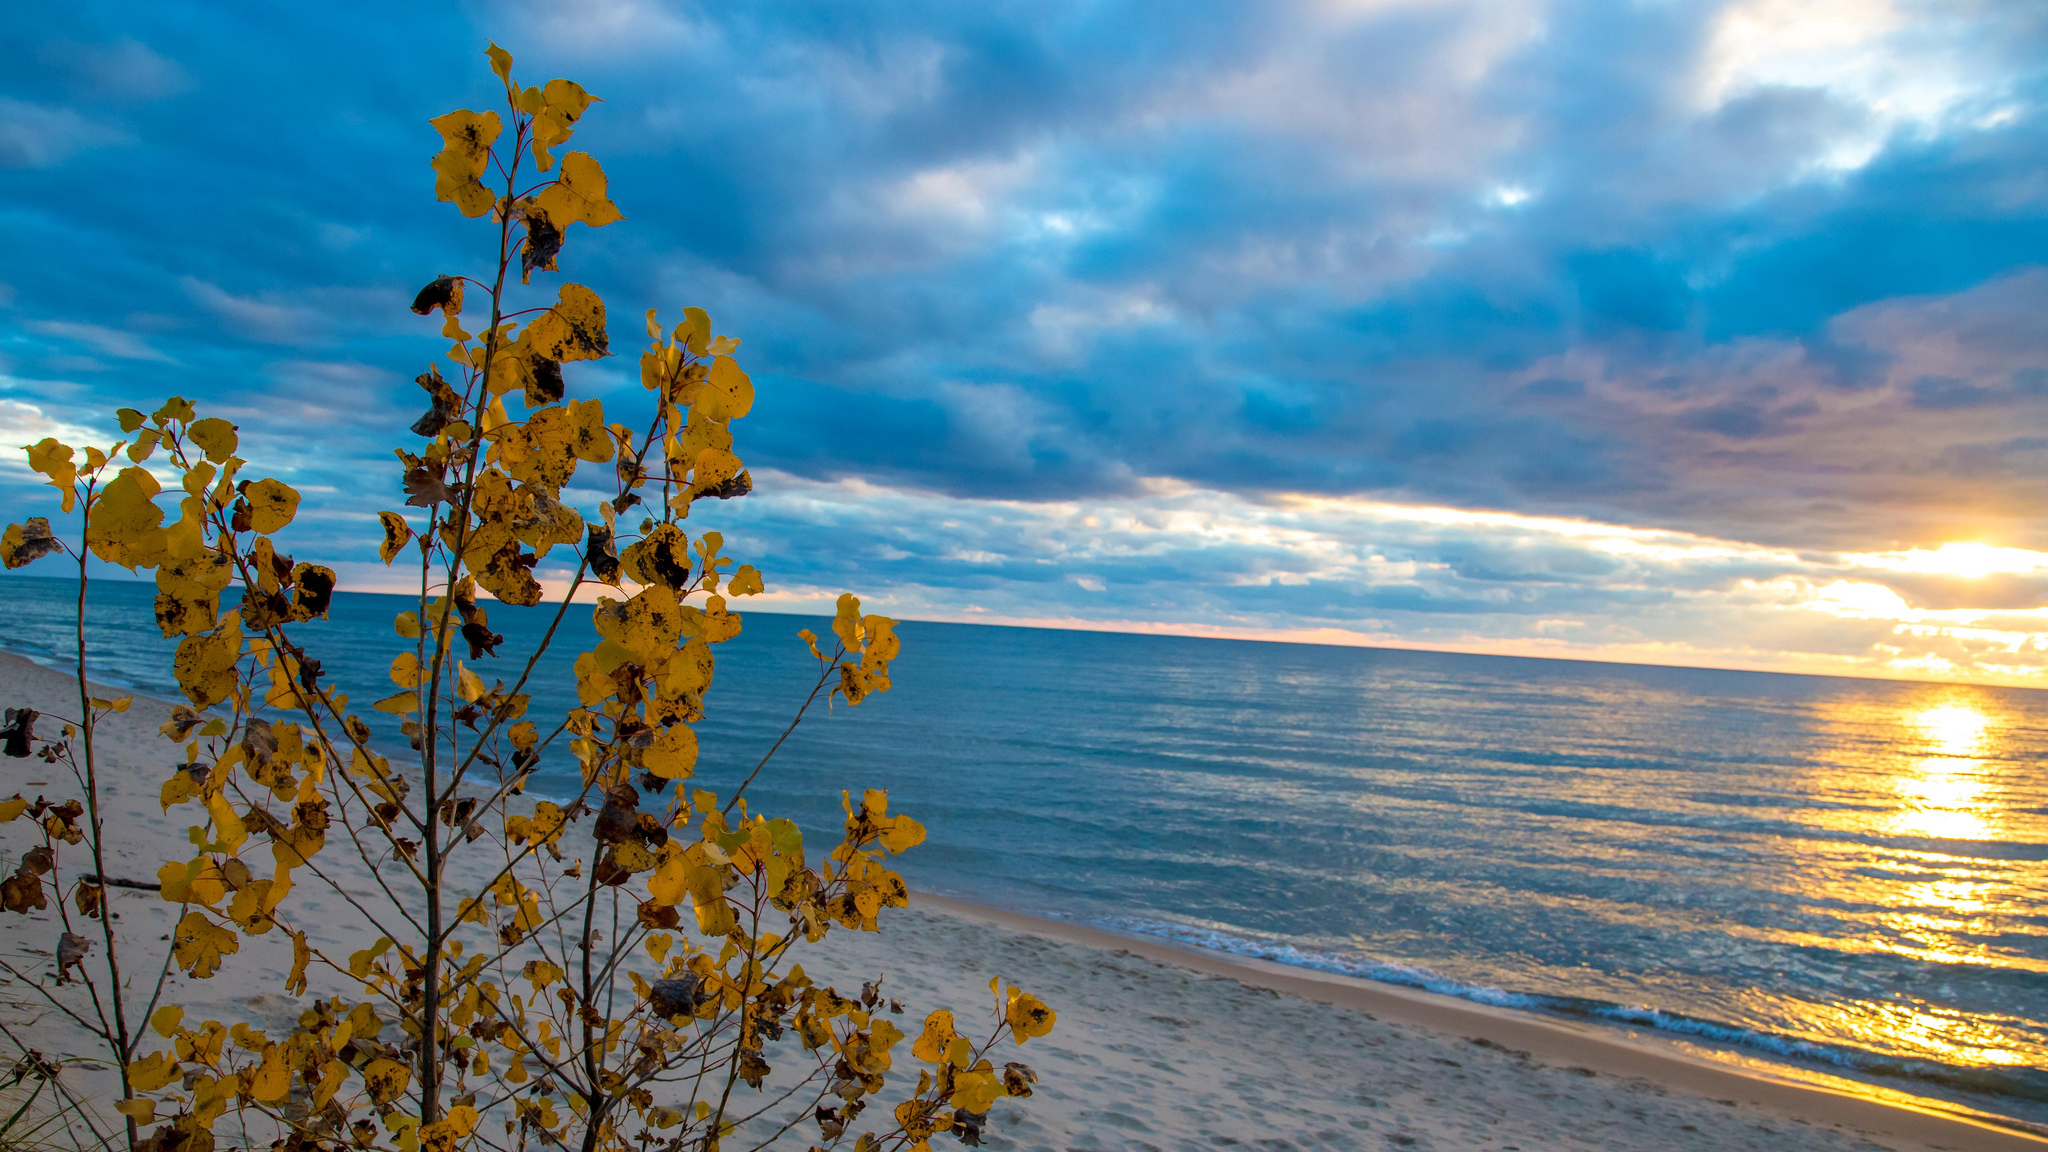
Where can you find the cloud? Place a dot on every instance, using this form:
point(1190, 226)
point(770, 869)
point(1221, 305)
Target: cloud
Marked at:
point(39, 136)
point(1758, 272)
point(110, 341)
point(122, 69)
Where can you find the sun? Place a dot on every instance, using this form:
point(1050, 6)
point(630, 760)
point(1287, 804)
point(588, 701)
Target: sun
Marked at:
point(1969, 561)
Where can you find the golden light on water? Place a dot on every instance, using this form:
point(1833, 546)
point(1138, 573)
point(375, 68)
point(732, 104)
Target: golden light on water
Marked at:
point(1946, 795)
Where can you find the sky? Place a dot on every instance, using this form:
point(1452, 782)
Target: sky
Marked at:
point(1689, 333)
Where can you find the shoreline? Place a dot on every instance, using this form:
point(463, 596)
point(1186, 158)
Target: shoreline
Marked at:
point(1604, 1048)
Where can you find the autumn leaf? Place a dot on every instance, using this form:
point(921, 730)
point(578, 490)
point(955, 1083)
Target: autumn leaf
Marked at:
point(272, 504)
point(745, 582)
point(465, 154)
point(28, 542)
point(445, 293)
point(572, 329)
point(577, 196)
point(397, 534)
point(673, 755)
point(199, 945)
point(215, 437)
point(1028, 1016)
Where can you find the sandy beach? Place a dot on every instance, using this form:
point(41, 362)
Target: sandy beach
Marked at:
point(1157, 1047)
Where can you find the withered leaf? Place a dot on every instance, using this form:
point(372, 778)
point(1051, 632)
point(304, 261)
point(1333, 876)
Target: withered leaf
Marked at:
point(602, 553)
point(424, 488)
point(543, 243)
point(447, 405)
point(20, 729)
point(482, 641)
point(28, 542)
point(312, 591)
point(544, 385)
point(444, 293)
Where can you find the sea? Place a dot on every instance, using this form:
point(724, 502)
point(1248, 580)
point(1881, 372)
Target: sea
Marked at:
point(1844, 877)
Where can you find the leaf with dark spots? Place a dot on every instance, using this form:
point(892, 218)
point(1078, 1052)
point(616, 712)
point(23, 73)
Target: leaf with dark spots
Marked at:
point(312, 591)
point(262, 610)
point(731, 486)
point(753, 1069)
point(28, 542)
point(482, 641)
point(543, 243)
point(20, 729)
point(444, 293)
point(508, 575)
point(424, 488)
point(544, 383)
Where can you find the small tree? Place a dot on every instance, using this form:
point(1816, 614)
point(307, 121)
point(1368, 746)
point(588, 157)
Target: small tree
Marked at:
point(529, 976)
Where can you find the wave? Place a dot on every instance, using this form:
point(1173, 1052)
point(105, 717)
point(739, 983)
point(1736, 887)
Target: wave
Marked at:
point(2013, 1082)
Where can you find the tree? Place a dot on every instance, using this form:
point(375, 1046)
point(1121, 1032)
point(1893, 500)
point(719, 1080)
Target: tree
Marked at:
point(529, 975)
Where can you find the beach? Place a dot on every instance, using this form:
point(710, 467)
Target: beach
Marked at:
point(1157, 1046)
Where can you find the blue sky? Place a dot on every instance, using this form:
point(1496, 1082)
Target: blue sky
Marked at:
point(1694, 333)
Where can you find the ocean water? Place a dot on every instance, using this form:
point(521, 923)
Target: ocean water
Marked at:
point(1848, 874)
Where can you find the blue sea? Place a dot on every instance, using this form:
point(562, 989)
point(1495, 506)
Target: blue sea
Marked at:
point(1849, 875)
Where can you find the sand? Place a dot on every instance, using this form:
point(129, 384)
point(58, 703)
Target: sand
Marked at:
point(1158, 1047)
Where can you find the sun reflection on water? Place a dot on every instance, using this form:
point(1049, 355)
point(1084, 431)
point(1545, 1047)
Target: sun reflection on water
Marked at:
point(1946, 795)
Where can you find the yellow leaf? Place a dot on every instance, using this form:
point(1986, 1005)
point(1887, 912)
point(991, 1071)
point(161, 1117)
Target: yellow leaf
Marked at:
point(465, 155)
point(572, 329)
point(673, 755)
point(205, 666)
point(932, 1045)
point(745, 582)
point(406, 671)
point(399, 703)
point(579, 194)
point(215, 437)
point(729, 393)
point(272, 1081)
point(272, 504)
point(468, 684)
point(139, 1110)
point(846, 624)
point(199, 945)
point(501, 63)
point(228, 827)
point(152, 1072)
point(166, 1020)
point(589, 438)
point(694, 333)
point(53, 459)
point(123, 526)
point(397, 534)
point(386, 1079)
point(1028, 1016)
point(902, 834)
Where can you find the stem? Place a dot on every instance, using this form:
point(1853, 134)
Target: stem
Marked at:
point(119, 1041)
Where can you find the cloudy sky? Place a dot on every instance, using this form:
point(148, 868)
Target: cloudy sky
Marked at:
point(1702, 333)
